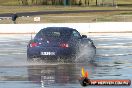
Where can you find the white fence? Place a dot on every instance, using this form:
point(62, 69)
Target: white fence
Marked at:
point(81, 27)
point(68, 19)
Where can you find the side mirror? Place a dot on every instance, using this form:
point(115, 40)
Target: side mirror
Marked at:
point(84, 36)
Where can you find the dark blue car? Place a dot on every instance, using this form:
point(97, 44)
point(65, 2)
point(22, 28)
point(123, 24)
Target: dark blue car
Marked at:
point(57, 42)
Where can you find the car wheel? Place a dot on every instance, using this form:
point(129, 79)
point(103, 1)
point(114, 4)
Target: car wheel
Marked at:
point(32, 58)
point(29, 58)
point(66, 59)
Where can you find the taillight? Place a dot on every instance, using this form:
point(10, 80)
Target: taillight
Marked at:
point(64, 45)
point(33, 44)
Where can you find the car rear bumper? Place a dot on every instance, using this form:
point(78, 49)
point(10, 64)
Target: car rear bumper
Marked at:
point(49, 52)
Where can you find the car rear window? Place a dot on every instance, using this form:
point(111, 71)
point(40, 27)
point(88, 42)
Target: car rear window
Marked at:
point(52, 34)
point(56, 33)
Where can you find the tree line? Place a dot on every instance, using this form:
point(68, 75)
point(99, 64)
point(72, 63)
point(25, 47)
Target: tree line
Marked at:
point(59, 2)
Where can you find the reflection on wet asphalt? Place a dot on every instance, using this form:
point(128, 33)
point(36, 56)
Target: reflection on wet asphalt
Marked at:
point(113, 61)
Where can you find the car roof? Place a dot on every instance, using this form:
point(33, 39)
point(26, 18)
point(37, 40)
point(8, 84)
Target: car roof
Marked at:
point(58, 28)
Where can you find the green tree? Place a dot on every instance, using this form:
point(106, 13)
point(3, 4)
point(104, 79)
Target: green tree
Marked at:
point(96, 2)
point(87, 2)
point(23, 2)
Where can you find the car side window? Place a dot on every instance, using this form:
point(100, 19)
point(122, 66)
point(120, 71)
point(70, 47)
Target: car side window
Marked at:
point(38, 35)
point(76, 34)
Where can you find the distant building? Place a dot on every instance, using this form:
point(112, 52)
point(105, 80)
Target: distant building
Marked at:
point(106, 2)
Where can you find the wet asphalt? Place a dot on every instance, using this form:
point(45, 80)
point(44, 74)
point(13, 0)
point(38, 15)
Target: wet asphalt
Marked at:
point(112, 61)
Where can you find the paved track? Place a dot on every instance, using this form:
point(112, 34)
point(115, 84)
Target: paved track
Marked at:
point(56, 12)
